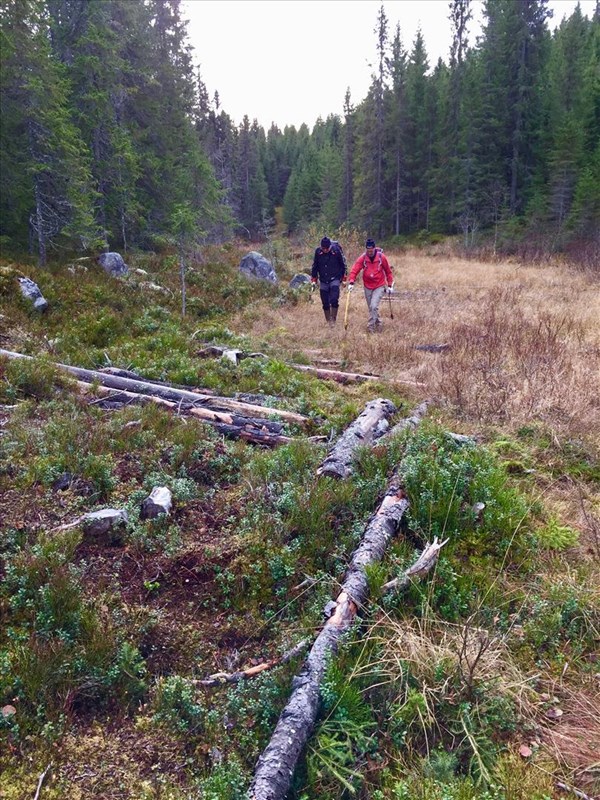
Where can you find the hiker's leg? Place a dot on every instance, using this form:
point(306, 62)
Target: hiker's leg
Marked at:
point(334, 299)
point(376, 296)
point(369, 299)
point(324, 292)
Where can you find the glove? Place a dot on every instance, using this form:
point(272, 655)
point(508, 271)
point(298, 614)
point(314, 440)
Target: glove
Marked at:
point(350, 287)
point(390, 289)
point(313, 280)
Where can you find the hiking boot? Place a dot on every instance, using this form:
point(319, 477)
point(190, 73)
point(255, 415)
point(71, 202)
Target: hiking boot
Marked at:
point(333, 315)
point(327, 312)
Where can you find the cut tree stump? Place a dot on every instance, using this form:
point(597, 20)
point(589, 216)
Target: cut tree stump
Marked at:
point(169, 393)
point(369, 426)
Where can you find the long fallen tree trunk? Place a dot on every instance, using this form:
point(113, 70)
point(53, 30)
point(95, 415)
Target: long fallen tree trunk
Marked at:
point(251, 429)
point(335, 375)
point(169, 393)
point(234, 355)
point(275, 767)
point(366, 428)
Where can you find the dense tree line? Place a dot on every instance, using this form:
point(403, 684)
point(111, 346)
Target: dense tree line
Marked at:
point(109, 137)
point(504, 138)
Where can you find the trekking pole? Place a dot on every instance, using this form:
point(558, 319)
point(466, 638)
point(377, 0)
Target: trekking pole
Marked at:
point(346, 311)
point(389, 294)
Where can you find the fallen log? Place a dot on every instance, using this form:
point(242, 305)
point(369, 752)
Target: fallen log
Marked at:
point(127, 373)
point(231, 353)
point(409, 422)
point(335, 375)
point(122, 397)
point(169, 393)
point(216, 351)
point(253, 429)
point(275, 767)
point(368, 426)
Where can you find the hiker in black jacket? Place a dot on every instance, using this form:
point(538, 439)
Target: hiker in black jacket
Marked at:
point(329, 269)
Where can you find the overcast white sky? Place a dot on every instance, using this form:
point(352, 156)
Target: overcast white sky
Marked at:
point(291, 61)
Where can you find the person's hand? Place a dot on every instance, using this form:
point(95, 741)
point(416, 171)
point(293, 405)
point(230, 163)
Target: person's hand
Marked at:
point(390, 288)
point(350, 287)
point(313, 280)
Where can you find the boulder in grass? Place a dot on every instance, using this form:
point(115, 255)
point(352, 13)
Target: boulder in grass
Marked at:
point(113, 264)
point(255, 265)
point(158, 502)
point(31, 291)
point(300, 279)
point(106, 521)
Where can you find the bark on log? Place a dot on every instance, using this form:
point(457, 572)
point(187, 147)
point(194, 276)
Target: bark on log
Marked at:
point(276, 765)
point(119, 397)
point(370, 425)
point(168, 393)
point(410, 422)
point(127, 373)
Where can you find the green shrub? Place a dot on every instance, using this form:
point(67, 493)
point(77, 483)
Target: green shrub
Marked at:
point(555, 536)
point(36, 377)
point(175, 705)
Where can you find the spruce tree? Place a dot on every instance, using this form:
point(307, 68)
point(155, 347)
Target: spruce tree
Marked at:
point(48, 184)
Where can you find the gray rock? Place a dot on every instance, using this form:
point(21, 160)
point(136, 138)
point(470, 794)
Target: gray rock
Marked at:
point(107, 520)
point(113, 264)
point(255, 265)
point(299, 280)
point(31, 291)
point(158, 502)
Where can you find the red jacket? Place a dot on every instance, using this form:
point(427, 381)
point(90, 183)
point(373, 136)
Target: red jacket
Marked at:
point(376, 273)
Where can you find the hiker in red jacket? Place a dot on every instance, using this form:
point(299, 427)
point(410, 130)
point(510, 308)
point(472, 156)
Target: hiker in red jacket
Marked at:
point(377, 279)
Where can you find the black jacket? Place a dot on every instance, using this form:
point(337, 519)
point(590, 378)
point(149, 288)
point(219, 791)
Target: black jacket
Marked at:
point(328, 266)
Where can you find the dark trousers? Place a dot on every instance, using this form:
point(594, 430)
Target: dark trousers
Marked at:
point(330, 294)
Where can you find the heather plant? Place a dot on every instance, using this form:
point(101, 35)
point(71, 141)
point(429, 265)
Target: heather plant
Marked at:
point(175, 704)
point(36, 377)
point(59, 649)
point(445, 480)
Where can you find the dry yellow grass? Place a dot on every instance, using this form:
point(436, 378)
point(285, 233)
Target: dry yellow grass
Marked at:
point(524, 340)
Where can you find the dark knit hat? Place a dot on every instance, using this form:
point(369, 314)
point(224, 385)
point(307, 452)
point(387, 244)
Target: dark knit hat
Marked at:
point(370, 243)
point(326, 241)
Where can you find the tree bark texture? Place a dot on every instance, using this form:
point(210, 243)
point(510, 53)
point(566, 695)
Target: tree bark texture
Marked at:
point(369, 426)
point(409, 422)
point(169, 393)
point(275, 767)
